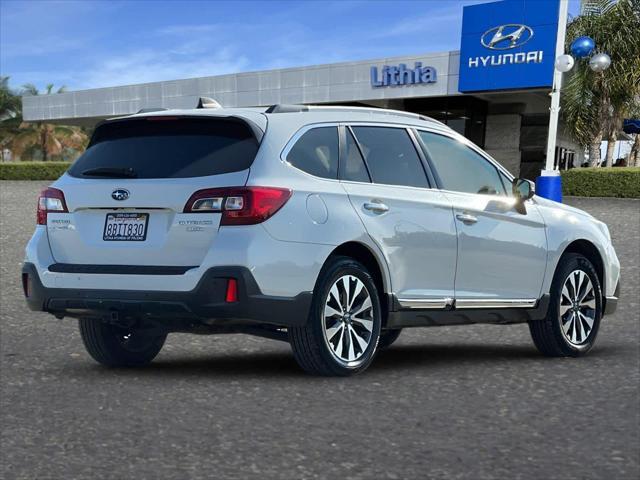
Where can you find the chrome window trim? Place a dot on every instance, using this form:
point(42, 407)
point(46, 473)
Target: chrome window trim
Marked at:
point(430, 129)
point(296, 136)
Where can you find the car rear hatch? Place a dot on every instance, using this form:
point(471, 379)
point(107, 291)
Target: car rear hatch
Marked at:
point(126, 195)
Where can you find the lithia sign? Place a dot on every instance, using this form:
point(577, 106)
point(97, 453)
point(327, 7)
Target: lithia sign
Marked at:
point(393, 76)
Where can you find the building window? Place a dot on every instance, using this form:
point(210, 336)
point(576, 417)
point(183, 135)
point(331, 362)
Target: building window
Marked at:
point(464, 114)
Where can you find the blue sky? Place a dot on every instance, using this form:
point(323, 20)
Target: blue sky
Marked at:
point(92, 43)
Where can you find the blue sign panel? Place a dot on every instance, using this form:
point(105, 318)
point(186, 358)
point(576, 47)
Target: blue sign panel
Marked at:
point(508, 45)
point(401, 75)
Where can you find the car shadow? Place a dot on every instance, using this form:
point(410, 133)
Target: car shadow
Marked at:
point(398, 358)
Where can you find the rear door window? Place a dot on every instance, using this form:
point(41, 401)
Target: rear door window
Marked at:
point(316, 152)
point(391, 156)
point(167, 147)
point(352, 166)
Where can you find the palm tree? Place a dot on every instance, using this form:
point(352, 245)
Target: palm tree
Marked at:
point(10, 114)
point(9, 101)
point(634, 155)
point(31, 89)
point(48, 139)
point(595, 104)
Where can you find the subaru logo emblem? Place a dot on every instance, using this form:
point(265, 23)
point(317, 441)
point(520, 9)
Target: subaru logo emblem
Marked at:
point(120, 194)
point(504, 37)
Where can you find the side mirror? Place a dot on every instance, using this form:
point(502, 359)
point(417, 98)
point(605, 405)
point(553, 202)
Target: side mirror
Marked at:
point(522, 189)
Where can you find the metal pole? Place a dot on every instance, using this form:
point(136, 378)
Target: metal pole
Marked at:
point(557, 85)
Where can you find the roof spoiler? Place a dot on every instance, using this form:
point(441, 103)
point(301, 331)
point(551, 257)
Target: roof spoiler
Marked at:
point(206, 102)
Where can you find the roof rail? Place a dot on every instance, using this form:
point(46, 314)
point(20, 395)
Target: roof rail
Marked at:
point(152, 109)
point(328, 108)
point(285, 108)
point(206, 102)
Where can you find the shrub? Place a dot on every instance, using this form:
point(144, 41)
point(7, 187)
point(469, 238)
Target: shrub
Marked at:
point(32, 170)
point(622, 182)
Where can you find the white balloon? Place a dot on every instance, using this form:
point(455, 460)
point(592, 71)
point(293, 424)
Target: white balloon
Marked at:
point(600, 62)
point(564, 63)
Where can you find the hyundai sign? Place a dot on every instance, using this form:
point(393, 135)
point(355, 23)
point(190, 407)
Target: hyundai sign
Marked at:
point(508, 45)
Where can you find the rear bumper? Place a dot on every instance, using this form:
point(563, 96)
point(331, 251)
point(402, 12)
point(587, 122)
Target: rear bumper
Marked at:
point(205, 303)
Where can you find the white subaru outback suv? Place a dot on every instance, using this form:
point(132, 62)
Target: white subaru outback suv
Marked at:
point(330, 228)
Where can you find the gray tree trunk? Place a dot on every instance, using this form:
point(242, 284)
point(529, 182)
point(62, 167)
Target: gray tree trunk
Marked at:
point(634, 156)
point(594, 153)
point(611, 147)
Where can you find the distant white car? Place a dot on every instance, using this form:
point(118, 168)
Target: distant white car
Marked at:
point(332, 228)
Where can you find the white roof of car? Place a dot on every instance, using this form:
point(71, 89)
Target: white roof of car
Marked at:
point(301, 114)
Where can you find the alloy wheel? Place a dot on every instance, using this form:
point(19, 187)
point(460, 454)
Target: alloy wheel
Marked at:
point(348, 320)
point(577, 308)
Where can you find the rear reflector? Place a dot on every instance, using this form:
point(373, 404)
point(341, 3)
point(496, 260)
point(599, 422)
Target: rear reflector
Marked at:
point(232, 291)
point(239, 205)
point(51, 200)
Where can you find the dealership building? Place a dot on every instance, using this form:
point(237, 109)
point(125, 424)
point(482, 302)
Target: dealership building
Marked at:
point(494, 90)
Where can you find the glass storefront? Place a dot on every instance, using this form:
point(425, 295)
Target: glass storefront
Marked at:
point(466, 115)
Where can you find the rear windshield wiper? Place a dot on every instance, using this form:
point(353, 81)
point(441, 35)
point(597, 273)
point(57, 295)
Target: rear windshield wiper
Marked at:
point(111, 172)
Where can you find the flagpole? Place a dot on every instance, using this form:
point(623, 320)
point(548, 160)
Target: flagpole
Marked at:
point(555, 188)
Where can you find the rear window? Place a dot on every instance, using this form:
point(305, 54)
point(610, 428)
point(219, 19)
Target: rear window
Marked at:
point(167, 148)
point(316, 152)
point(391, 156)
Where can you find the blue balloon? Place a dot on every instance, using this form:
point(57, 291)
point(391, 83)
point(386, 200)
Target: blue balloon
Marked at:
point(582, 47)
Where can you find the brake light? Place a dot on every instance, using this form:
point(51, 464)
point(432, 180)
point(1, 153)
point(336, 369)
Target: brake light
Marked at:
point(239, 205)
point(50, 200)
point(232, 291)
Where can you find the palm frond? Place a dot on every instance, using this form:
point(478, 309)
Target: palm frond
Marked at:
point(29, 89)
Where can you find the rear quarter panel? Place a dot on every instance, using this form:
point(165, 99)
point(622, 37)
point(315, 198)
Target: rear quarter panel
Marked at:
point(319, 211)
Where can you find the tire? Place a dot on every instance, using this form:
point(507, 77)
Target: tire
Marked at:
point(388, 338)
point(114, 346)
point(571, 325)
point(345, 341)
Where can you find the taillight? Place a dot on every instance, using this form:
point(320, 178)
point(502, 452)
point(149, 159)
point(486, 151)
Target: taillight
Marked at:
point(239, 205)
point(232, 291)
point(50, 200)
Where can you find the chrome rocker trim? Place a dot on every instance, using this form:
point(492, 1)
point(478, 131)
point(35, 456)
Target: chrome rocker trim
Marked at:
point(465, 303)
point(425, 303)
point(495, 303)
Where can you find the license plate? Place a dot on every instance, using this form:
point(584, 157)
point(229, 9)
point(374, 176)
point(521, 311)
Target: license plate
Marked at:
point(125, 227)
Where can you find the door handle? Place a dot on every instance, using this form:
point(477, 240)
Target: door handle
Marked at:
point(467, 218)
point(376, 207)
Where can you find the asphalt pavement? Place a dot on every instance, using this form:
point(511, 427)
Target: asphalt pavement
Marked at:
point(472, 402)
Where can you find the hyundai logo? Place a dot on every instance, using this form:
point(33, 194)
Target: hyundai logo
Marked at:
point(120, 194)
point(504, 37)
